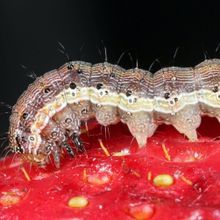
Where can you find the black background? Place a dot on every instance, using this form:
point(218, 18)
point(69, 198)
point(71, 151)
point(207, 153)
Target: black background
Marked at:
point(148, 30)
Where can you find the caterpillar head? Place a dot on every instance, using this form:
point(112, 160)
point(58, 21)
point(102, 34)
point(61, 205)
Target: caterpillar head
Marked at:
point(26, 144)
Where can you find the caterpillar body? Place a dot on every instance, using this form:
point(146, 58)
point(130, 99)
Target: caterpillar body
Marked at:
point(53, 107)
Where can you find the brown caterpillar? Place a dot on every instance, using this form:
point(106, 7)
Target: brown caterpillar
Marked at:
point(52, 108)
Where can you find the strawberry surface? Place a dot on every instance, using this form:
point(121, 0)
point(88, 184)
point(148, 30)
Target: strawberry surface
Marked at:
point(171, 178)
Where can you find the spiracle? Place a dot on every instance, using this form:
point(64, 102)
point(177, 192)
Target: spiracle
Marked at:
point(52, 108)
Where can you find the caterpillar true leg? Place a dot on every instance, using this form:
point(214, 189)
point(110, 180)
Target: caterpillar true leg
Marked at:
point(55, 136)
point(78, 143)
point(56, 156)
point(68, 149)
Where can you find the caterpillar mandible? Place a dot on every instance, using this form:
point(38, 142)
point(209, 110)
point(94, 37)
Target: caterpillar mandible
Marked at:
point(52, 108)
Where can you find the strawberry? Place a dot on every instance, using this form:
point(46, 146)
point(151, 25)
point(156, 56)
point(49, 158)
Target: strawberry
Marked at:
point(171, 178)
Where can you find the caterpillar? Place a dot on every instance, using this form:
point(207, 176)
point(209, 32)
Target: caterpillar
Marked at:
point(52, 109)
